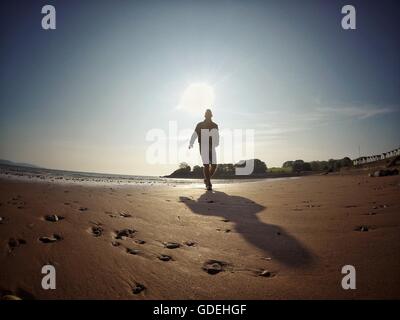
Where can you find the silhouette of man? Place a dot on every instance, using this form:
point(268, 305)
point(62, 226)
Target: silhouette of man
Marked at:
point(207, 134)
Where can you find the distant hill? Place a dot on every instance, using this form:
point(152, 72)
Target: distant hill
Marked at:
point(18, 164)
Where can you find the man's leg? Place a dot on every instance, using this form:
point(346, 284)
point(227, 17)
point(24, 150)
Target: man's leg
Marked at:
point(213, 168)
point(206, 172)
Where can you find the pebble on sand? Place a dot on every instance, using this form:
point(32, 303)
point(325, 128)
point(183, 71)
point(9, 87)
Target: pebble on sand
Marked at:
point(53, 218)
point(171, 245)
point(213, 266)
point(164, 257)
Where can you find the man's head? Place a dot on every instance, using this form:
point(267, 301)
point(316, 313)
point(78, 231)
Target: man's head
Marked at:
point(208, 115)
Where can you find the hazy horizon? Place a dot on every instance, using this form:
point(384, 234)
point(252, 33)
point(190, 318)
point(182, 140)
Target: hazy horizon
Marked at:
point(82, 97)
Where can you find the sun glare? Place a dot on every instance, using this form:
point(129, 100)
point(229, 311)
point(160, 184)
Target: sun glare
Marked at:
point(197, 97)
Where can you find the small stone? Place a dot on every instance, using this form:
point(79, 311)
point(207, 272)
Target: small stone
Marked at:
point(164, 257)
point(83, 209)
point(213, 266)
point(138, 241)
point(52, 218)
point(172, 245)
point(190, 243)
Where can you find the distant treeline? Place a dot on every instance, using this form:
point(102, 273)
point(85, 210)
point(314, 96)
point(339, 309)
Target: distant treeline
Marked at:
point(225, 170)
point(328, 166)
point(289, 168)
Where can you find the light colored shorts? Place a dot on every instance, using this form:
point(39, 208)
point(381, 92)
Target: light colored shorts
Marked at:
point(209, 157)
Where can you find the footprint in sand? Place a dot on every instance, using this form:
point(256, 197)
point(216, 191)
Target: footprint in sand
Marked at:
point(124, 233)
point(53, 217)
point(214, 266)
point(52, 239)
point(132, 251)
point(14, 243)
point(125, 215)
point(138, 288)
point(97, 231)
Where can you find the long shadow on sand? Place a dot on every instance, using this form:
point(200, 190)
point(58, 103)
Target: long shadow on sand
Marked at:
point(273, 240)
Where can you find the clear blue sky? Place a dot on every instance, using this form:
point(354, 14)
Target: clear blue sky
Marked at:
point(83, 97)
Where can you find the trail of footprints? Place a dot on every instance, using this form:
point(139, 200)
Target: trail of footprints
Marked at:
point(211, 267)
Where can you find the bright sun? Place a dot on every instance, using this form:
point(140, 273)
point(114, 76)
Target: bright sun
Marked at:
point(197, 97)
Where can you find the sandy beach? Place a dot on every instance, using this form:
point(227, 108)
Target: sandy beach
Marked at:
point(272, 239)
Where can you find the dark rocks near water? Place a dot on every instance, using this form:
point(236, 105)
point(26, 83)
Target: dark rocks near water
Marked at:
point(384, 173)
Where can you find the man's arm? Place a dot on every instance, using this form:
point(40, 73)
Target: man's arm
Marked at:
point(193, 138)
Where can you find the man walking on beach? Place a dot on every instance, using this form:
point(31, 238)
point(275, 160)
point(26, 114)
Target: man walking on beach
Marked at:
point(207, 134)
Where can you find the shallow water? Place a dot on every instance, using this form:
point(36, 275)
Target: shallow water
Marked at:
point(63, 176)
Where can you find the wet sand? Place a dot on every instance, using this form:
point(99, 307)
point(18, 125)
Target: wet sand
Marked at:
point(283, 239)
